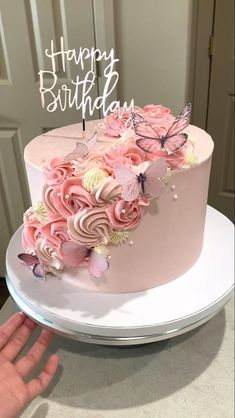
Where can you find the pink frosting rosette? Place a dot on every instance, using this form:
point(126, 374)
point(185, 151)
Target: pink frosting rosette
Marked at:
point(174, 161)
point(122, 154)
point(116, 125)
point(55, 232)
point(95, 160)
point(31, 233)
point(124, 215)
point(90, 227)
point(66, 199)
point(158, 115)
point(57, 171)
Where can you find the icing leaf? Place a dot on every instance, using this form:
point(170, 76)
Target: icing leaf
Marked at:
point(119, 237)
point(40, 212)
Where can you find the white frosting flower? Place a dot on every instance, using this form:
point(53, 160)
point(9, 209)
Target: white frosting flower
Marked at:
point(191, 159)
point(93, 178)
point(40, 212)
point(108, 191)
point(102, 250)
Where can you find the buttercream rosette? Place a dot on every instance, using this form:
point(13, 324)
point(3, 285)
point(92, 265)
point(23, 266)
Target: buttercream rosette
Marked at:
point(106, 192)
point(90, 227)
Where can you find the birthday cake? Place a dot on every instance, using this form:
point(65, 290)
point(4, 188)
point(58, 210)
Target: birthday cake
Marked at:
point(119, 207)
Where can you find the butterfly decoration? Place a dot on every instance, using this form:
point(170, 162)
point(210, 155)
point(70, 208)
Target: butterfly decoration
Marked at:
point(74, 254)
point(150, 141)
point(145, 181)
point(82, 148)
point(33, 262)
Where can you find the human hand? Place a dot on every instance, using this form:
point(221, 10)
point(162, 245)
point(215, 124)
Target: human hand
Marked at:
point(15, 393)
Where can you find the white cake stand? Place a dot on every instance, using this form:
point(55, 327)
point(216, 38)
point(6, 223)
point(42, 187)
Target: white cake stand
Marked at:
point(131, 318)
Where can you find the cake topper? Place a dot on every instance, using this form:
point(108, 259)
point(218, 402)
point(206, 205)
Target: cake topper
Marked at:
point(149, 139)
point(77, 92)
point(82, 148)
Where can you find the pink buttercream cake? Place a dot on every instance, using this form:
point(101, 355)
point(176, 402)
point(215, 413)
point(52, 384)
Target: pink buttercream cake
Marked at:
point(116, 211)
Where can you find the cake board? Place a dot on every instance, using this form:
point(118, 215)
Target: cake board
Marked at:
point(131, 318)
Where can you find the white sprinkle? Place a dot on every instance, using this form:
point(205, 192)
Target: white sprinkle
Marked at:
point(175, 197)
point(123, 210)
point(131, 243)
point(67, 196)
point(173, 187)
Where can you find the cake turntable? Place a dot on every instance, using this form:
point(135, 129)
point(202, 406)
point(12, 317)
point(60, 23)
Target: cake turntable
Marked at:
point(130, 318)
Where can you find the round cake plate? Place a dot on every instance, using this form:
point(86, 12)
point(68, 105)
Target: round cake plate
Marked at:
point(130, 318)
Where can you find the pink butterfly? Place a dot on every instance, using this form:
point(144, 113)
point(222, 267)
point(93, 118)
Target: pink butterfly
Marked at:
point(82, 148)
point(33, 262)
point(146, 182)
point(150, 140)
point(74, 254)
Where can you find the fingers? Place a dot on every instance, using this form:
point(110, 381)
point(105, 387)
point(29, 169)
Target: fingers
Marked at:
point(19, 339)
point(31, 360)
point(40, 383)
point(10, 327)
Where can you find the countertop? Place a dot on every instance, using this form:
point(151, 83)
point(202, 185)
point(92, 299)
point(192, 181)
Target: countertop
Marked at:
point(189, 376)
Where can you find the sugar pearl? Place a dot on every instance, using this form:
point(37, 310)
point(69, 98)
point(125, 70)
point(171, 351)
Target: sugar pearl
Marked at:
point(58, 194)
point(123, 210)
point(109, 257)
point(67, 196)
point(131, 243)
point(175, 197)
point(173, 187)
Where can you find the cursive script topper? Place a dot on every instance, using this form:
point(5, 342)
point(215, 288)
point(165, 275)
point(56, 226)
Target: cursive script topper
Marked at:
point(77, 91)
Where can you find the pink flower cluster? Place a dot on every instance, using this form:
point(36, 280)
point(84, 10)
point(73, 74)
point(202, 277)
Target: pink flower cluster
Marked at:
point(158, 115)
point(72, 212)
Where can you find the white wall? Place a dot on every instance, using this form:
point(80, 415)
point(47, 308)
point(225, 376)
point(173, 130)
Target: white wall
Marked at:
point(153, 43)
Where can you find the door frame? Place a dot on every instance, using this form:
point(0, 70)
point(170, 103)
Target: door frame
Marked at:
point(104, 26)
point(201, 68)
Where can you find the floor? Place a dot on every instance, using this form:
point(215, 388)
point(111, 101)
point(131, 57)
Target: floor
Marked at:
point(3, 292)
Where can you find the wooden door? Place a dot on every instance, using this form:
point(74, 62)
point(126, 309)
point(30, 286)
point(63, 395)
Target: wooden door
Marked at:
point(26, 29)
point(221, 109)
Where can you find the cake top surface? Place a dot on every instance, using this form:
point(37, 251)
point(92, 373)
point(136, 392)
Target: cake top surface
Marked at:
point(61, 141)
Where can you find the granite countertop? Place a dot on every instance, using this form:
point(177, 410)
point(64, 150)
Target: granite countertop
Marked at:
point(190, 376)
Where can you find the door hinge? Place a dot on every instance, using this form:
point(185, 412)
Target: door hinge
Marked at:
point(211, 46)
